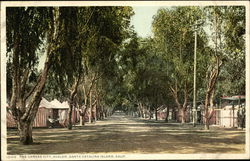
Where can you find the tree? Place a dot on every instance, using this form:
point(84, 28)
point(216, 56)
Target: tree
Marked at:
point(142, 78)
point(68, 66)
point(232, 78)
point(111, 26)
point(228, 28)
point(27, 29)
point(89, 40)
point(173, 35)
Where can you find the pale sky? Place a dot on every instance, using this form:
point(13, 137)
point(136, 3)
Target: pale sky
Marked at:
point(143, 18)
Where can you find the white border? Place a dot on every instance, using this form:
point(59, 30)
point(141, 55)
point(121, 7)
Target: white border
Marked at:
point(127, 156)
point(3, 83)
point(122, 3)
point(247, 147)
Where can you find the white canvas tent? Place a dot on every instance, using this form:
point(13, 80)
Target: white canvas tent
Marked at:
point(45, 103)
point(58, 105)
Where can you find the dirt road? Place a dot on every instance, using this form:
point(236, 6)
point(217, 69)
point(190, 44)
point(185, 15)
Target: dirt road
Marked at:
point(125, 134)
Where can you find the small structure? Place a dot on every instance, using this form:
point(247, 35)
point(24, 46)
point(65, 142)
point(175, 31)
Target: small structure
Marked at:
point(9, 118)
point(54, 110)
point(61, 112)
point(58, 112)
point(41, 119)
point(232, 114)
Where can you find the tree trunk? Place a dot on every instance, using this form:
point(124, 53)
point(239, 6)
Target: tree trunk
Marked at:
point(25, 125)
point(69, 126)
point(210, 89)
point(25, 115)
point(206, 124)
point(90, 107)
point(183, 116)
point(212, 98)
point(179, 113)
point(84, 111)
point(25, 132)
point(212, 75)
point(206, 121)
point(167, 114)
point(101, 113)
point(90, 114)
point(105, 113)
point(156, 116)
point(70, 116)
point(174, 117)
point(141, 110)
point(82, 121)
point(97, 109)
point(71, 100)
point(174, 92)
point(95, 112)
point(184, 106)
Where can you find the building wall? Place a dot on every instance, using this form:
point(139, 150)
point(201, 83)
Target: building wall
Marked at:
point(224, 117)
point(42, 115)
point(40, 120)
point(10, 120)
point(229, 118)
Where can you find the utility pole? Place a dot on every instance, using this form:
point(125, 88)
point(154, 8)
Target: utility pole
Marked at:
point(196, 26)
point(194, 97)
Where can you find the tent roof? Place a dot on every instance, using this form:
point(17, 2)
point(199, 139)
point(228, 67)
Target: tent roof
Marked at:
point(59, 105)
point(55, 104)
point(45, 103)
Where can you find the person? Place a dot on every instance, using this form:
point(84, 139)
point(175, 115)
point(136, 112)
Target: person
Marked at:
point(51, 122)
point(243, 118)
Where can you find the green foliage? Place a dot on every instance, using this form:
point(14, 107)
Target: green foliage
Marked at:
point(100, 41)
point(89, 40)
point(26, 33)
point(231, 47)
point(174, 40)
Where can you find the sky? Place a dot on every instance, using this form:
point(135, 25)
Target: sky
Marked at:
point(143, 18)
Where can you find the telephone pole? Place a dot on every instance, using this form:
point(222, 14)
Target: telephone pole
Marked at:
point(196, 25)
point(194, 97)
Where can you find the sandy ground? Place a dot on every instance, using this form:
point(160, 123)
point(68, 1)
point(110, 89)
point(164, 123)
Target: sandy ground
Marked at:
point(125, 134)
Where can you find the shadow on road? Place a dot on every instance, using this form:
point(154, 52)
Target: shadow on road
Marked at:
point(125, 134)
